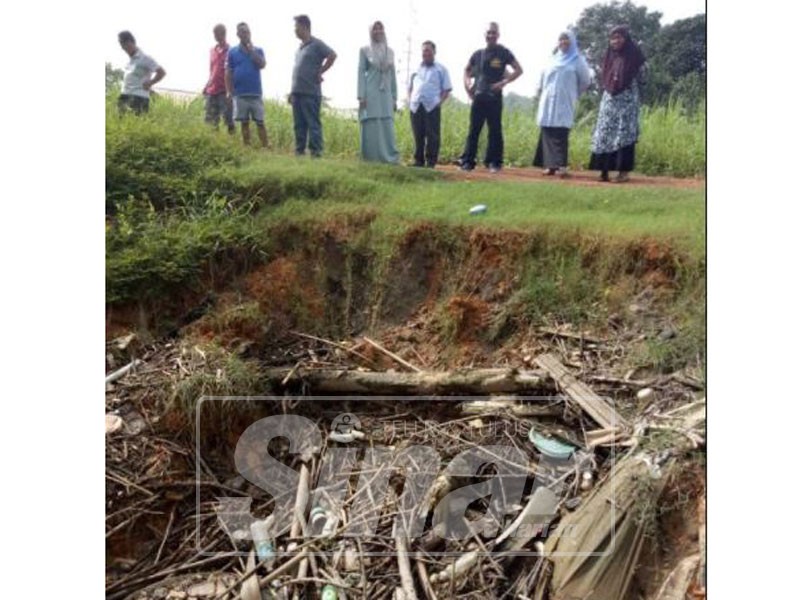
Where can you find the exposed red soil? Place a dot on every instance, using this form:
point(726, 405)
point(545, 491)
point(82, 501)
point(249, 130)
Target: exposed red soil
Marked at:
point(469, 315)
point(582, 178)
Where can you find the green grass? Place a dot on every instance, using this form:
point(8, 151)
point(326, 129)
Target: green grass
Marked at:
point(181, 196)
point(672, 140)
point(187, 205)
point(676, 214)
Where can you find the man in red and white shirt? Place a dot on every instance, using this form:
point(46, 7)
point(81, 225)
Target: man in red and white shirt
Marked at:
point(217, 103)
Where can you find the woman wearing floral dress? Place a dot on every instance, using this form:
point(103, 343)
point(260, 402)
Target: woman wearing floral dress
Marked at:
point(377, 98)
point(617, 130)
point(561, 85)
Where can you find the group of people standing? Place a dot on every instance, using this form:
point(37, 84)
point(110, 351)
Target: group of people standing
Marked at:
point(233, 93)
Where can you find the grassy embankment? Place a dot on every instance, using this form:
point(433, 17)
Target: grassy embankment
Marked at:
point(672, 141)
point(191, 209)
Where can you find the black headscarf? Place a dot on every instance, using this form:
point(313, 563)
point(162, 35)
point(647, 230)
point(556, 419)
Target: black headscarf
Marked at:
point(621, 67)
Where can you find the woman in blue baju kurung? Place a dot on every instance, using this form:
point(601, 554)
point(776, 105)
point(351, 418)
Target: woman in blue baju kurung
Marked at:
point(566, 78)
point(377, 98)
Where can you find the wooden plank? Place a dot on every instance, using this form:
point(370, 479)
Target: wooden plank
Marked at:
point(391, 355)
point(592, 404)
point(510, 404)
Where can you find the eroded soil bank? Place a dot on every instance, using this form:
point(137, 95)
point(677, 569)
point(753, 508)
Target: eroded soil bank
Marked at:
point(624, 316)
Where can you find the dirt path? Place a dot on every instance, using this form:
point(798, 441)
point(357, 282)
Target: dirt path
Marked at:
point(584, 178)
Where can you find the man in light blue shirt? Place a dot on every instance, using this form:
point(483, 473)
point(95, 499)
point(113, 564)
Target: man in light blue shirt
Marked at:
point(430, 86)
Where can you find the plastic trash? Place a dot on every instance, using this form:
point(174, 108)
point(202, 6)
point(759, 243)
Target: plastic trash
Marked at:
point(322, 521)
point(645, 394)
point(478, 209)
point(265, 548)
point(549, 446)
point(346, 438)
point(330, 593)
point(113, 423)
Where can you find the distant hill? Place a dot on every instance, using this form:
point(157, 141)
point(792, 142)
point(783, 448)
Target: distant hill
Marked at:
point(511, 101)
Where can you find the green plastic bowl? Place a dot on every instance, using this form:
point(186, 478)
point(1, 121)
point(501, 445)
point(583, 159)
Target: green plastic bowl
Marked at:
point(549, 446)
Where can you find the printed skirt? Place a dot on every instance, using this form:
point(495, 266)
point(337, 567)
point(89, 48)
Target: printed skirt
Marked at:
point(616, 132)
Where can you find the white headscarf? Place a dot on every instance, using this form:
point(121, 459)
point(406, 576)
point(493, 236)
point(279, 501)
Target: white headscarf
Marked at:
point(381, 57)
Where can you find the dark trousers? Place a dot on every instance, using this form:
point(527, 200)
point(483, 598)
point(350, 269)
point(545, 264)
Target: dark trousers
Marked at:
point(488, 109)
point(307, 124)
point(137, 104)
point(218, 106)
point(427, 127)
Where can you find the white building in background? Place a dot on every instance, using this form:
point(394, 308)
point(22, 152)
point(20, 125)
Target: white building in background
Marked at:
point(182, 96)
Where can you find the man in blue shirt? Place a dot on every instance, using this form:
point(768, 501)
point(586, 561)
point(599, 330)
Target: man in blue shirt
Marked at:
point(430, 86)
point(243, 84)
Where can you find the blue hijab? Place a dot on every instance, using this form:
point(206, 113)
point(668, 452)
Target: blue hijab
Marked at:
point(562, 59)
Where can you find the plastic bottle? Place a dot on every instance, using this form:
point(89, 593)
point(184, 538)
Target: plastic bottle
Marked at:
point(478, 209)
point(329, 593)
point(265, 548)
point(323, 522)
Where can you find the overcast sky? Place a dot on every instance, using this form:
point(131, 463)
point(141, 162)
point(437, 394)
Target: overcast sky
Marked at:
point(177, 34)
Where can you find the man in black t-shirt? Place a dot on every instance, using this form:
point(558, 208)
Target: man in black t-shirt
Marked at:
point(488, 69)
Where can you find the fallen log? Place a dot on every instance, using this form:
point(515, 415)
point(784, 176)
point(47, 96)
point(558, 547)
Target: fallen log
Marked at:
point(595, 550)
point(474, 381)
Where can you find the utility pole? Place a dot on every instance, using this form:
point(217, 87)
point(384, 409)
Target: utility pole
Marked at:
point(412, 26)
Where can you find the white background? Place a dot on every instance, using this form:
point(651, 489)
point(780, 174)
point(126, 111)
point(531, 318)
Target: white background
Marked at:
point(178, 35)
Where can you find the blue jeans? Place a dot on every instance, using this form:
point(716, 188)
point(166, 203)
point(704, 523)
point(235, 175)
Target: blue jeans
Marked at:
point(307, 125)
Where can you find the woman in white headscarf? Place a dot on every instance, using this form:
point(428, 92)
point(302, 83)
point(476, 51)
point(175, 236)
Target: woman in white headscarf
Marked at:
point(566, 78)
point(377, 98)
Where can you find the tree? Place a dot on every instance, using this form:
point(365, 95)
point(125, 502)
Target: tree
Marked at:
point(676, 53)
point(678, 62)
point(596, 21)
point(681, 47)
point(113, 78)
